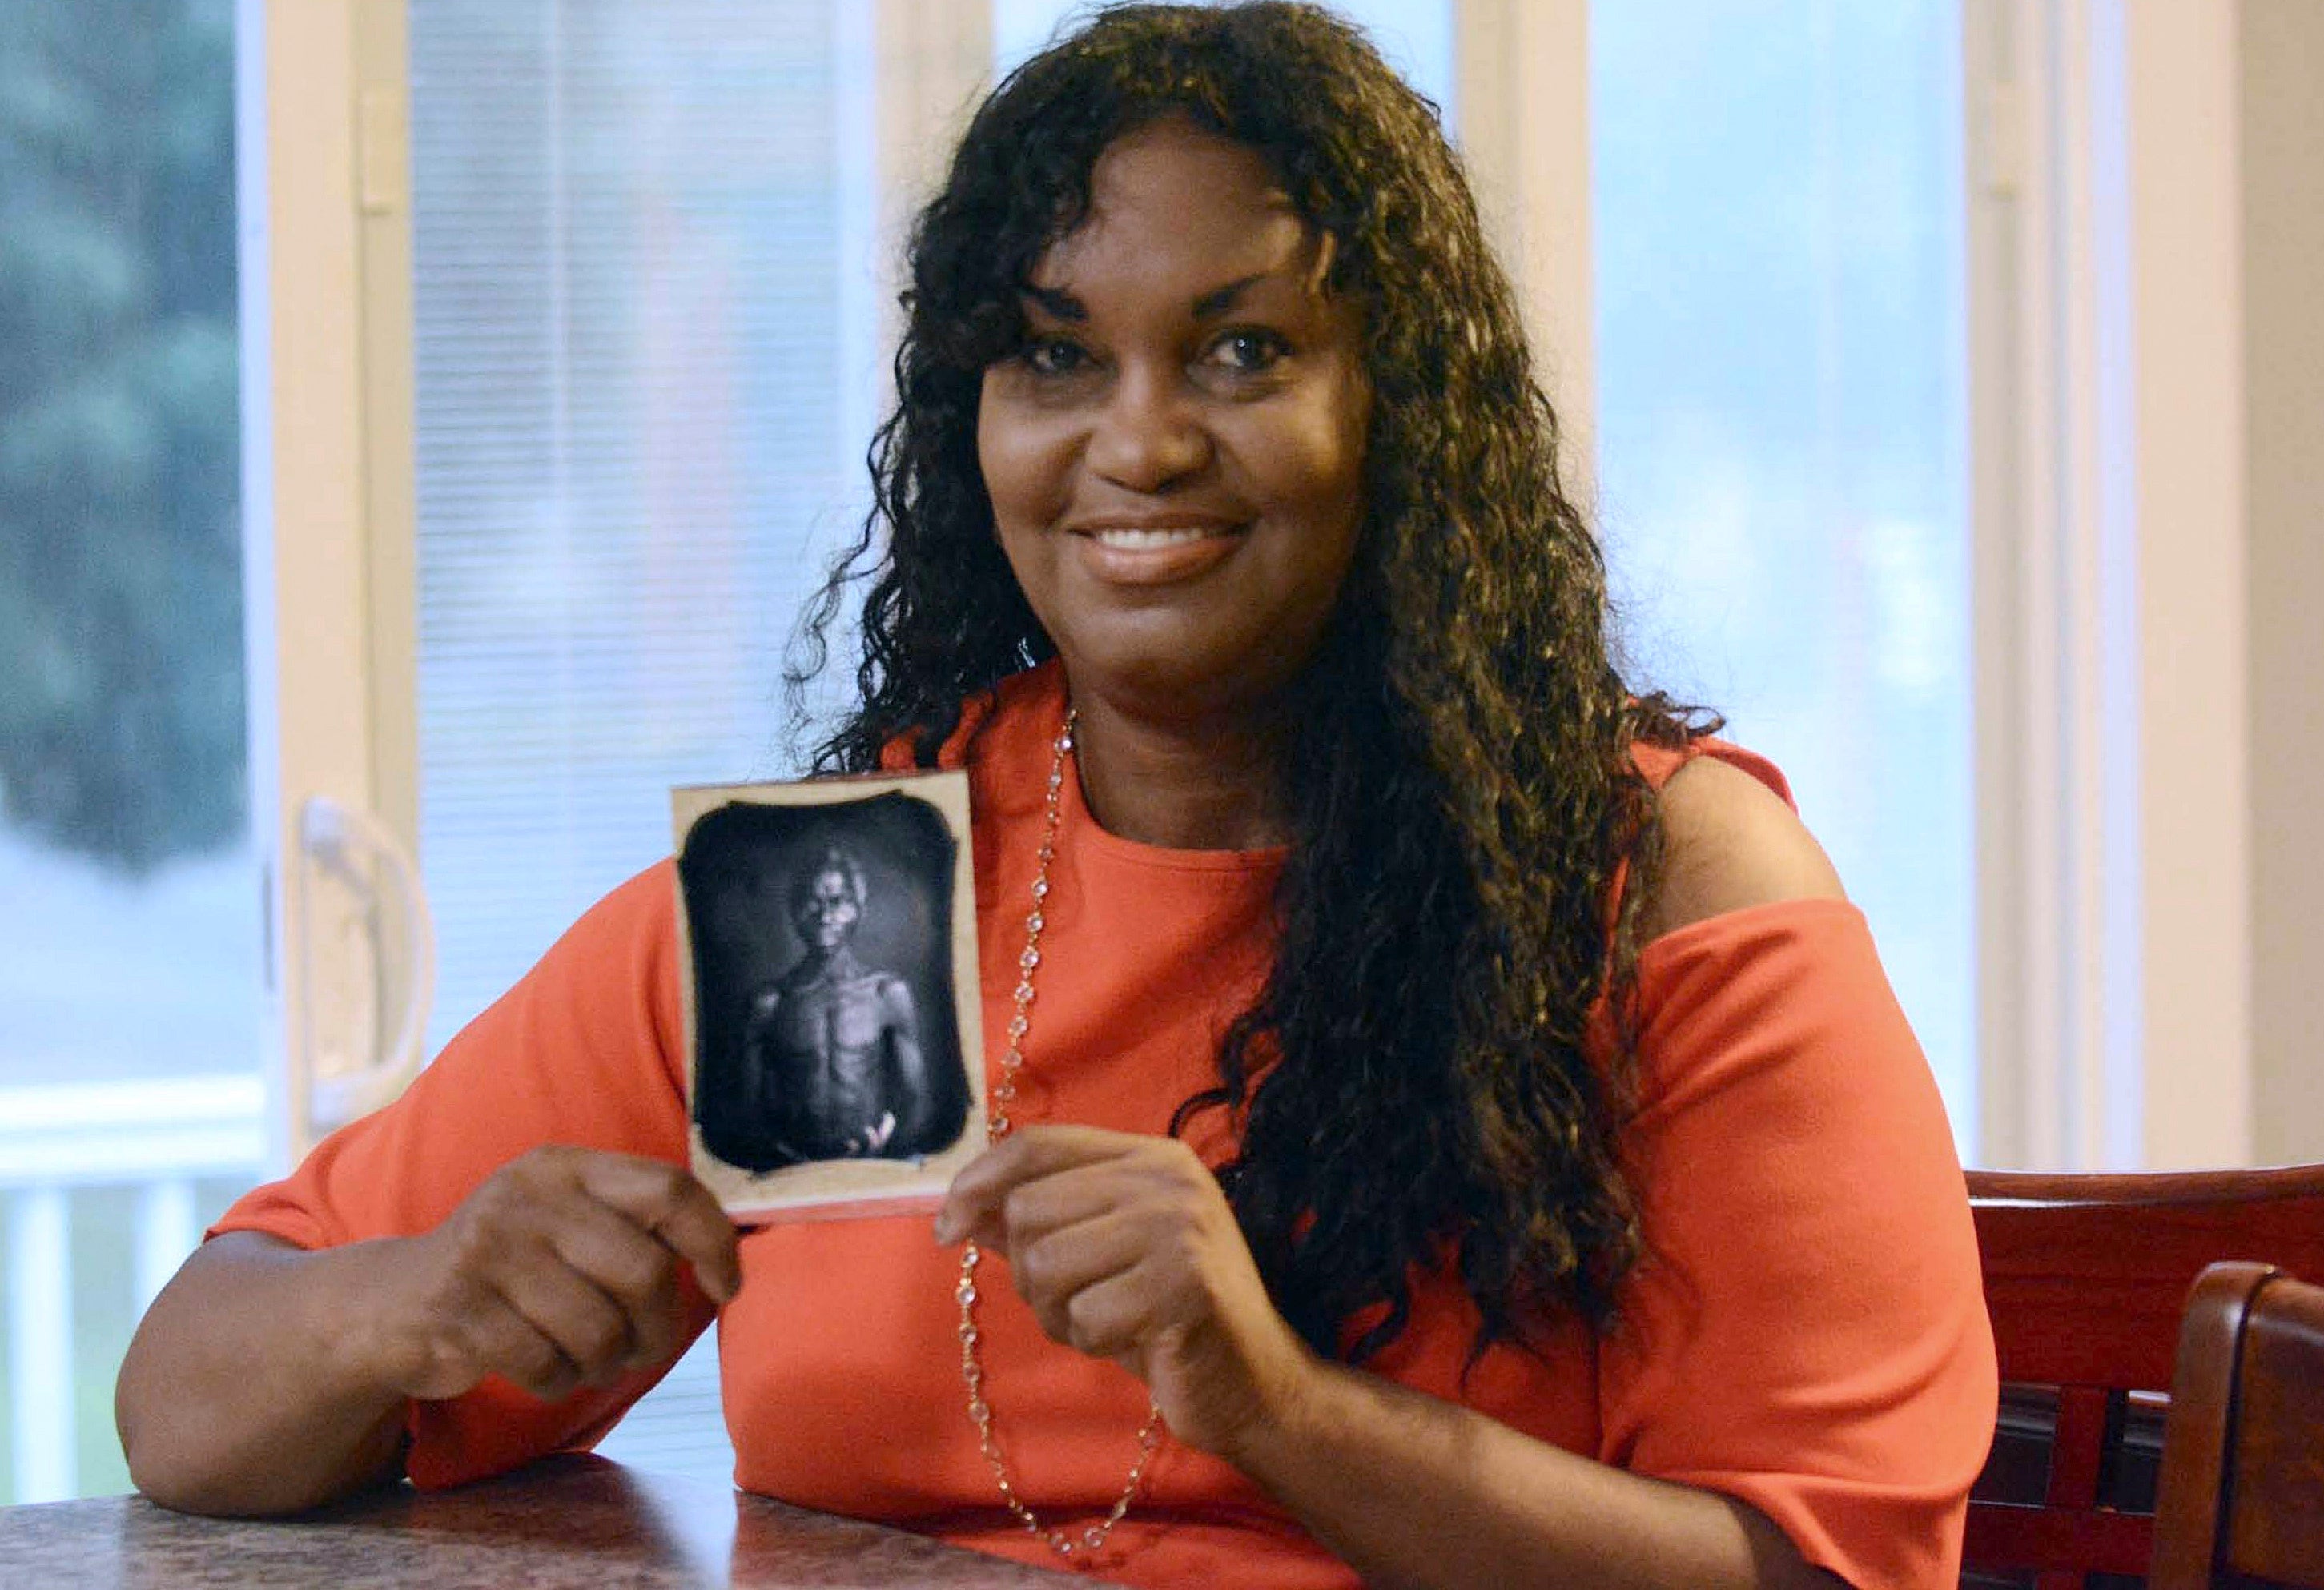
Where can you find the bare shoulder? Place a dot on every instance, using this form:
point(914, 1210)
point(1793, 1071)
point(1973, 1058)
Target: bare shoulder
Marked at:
point(1728, 843)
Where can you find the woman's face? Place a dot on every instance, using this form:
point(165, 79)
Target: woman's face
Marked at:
point(1175, 457)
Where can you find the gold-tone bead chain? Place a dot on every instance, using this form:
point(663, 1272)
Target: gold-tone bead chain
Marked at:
point(1092, 1539)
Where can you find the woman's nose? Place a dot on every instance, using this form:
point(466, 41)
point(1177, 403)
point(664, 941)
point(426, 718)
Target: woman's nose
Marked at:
point(1149, 433)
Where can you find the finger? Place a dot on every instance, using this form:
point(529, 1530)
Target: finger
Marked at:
point(677, 1210)
point(1034, 1209)
point(507, 1344)
point(588, 1328)
point(1113, 1317)
point(976, 1195)
point(630, 1267)
point(1049, 1271)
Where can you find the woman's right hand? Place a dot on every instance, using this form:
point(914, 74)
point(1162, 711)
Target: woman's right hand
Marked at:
point(266, 1379)
point(558, 1271)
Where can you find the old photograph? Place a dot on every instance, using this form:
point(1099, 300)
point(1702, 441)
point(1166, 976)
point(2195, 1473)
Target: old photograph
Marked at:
point(832, 1024)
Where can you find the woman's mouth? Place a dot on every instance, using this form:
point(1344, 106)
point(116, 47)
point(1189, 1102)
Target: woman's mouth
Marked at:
point(1155, 554)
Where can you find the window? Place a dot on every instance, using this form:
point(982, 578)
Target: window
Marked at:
point(131, 990)
point(1782, 426)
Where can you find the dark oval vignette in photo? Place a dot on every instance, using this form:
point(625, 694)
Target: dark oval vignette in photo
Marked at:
point(825, 1007)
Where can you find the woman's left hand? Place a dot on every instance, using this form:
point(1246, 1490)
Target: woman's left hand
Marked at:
point(1125, 1248)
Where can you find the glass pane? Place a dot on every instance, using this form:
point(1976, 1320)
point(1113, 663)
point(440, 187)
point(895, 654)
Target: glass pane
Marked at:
point(131, 990)
point(1782, 430)
point(1414, 36)
point(627, 270)
point(637, 271)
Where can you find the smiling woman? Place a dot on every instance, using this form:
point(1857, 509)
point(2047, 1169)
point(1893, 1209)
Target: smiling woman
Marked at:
point(1175, 462)
point(1451, 1129)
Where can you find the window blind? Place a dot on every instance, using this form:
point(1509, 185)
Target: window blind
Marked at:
point(627, 253)
point(638, 271)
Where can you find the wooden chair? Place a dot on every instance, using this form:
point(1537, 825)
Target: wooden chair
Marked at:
point(2085, 1277)
point(2242, 1503)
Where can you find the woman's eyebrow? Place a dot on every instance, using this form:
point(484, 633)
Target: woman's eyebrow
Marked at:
point(1219, 300)
point(1056, 302)
point(1061, 305)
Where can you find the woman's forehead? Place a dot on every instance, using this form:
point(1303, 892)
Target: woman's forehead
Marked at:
point(1174, 205)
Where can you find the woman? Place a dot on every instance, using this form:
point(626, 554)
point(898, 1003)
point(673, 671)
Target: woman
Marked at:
point(1457, 1132)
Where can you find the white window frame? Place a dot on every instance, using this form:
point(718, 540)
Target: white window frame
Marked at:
point(2107, 521)
point(2185, 390)
point(1523, 127)
point(327, 460)
point(2112, 738)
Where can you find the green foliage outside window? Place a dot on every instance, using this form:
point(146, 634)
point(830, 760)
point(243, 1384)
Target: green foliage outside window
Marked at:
point(121, 666)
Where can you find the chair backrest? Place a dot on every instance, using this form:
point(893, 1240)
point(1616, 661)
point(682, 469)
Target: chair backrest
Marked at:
point(2242, 1503)
point(2085, 1277)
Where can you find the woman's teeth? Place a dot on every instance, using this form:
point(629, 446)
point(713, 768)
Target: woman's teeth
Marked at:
point(1152, 540)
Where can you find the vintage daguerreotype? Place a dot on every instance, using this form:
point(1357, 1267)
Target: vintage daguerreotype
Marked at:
point(834, 1039)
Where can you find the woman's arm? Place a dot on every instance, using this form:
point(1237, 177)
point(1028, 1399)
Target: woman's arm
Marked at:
point(435, 1269)
point(253, 1384)
point(265, 1379)
point(1413, 1491)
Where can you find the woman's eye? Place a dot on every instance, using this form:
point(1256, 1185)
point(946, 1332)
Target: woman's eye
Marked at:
point(1055, 356)
point(1248, 353)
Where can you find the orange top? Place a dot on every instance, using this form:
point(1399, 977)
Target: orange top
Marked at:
point(1809, 1333)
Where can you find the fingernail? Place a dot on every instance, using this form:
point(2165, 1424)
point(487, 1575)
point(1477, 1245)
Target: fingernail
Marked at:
point(945, 1235)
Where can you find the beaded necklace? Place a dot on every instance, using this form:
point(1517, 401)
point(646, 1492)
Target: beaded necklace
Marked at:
point(1092, 1539)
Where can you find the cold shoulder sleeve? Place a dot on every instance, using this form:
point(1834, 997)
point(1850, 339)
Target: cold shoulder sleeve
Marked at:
point(587, 1050)
point(1808, 1329)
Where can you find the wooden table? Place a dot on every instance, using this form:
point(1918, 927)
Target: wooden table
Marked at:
point(567, 1520)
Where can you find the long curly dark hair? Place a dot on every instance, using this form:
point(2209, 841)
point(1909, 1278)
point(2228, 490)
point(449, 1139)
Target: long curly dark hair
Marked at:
point(1461, 791)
